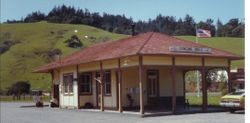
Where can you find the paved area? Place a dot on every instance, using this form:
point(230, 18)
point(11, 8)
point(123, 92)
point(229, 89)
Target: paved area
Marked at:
point(12, 113)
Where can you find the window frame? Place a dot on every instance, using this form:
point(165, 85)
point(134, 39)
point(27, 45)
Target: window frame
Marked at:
point(156, 92)
point(81, 82)
point(66, 85)
point(107, 72)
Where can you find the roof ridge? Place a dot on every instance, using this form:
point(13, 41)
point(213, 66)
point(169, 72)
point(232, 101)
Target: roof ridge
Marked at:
point(96, 45)
point(112, 41)
point(146, 41)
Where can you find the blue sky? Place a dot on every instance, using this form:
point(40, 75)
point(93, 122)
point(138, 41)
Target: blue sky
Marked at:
point(137, 9)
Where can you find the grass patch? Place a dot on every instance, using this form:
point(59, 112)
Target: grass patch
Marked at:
point(213, 100)
point(35, 41)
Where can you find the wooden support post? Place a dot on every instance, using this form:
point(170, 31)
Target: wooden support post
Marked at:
point(141, 85)
point(229, 83)
point(52, 85)
point(204, 86)
point(78, 83)
point(184, 86)
point(173, 85)
point(102, 86)
point(120, 86)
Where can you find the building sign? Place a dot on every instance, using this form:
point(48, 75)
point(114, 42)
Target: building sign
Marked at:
point(201, 50)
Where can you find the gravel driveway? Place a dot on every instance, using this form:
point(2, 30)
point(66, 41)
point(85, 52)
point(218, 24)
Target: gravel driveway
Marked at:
point(12, 113)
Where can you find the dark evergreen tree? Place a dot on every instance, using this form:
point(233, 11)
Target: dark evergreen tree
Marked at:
point(208, 25)
point(179, 28)
point(220, 29)
point(122, 24)
point(189, 25)
point(34, 17)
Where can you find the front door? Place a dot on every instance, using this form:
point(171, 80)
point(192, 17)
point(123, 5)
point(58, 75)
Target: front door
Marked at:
point(152, 86)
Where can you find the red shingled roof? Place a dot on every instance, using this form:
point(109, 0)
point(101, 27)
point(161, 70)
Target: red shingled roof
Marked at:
point(146, 43)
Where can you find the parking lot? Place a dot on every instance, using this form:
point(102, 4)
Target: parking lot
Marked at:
point(12, 113)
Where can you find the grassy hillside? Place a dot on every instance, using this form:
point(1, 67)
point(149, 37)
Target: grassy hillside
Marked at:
point(233, 45)
point(32, 43)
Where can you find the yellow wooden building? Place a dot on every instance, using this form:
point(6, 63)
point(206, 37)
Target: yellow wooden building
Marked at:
point(141, 71)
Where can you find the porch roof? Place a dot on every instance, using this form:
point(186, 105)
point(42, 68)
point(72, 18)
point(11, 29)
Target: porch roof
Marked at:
point(150, 43)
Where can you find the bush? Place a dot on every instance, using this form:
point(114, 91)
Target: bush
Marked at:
point(74, 42)
point(5, 45)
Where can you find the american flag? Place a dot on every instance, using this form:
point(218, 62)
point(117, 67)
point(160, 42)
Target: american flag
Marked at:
point(202, 33)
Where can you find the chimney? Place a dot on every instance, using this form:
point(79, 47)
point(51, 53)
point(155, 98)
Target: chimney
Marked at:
point(133, 29)
point(55, 54)
point(56, 57)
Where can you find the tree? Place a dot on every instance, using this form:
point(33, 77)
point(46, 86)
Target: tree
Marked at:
point(211, 76)
point(179, 28)
point(222, 77)
point(239, 31)
point(230, 26)
point(220, 29)
point(35, 17)
point(19, 88)
point(189, 25)
point(121, 24)
point(208, 25)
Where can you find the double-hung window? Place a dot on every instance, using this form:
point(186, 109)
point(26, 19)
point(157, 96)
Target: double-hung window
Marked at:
point(85, 83)
point(68, 83)
point(107, 81)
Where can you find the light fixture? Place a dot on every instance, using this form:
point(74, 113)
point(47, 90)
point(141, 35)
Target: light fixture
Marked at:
point(126, 60)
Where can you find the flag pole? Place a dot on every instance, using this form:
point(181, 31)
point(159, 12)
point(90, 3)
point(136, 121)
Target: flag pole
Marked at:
point(196, 38)
point(197, 72)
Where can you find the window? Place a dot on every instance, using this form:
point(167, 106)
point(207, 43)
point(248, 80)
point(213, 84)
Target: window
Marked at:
point(68, 83)
point(107, 80)
point(85, 83)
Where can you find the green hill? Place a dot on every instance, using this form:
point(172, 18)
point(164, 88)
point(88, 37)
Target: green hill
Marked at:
point(233, 45)
point(31, 43)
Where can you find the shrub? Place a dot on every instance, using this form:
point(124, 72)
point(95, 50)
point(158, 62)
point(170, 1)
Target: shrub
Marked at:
point(74, 42)
point(5, 45)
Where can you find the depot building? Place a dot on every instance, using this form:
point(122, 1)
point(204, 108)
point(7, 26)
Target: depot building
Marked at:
point(146, 70)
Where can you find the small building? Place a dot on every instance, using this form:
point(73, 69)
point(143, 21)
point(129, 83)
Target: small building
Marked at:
point(238, 78)
point(145, 70)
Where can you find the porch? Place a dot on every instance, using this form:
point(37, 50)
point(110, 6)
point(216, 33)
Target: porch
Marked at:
point(163, 112)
